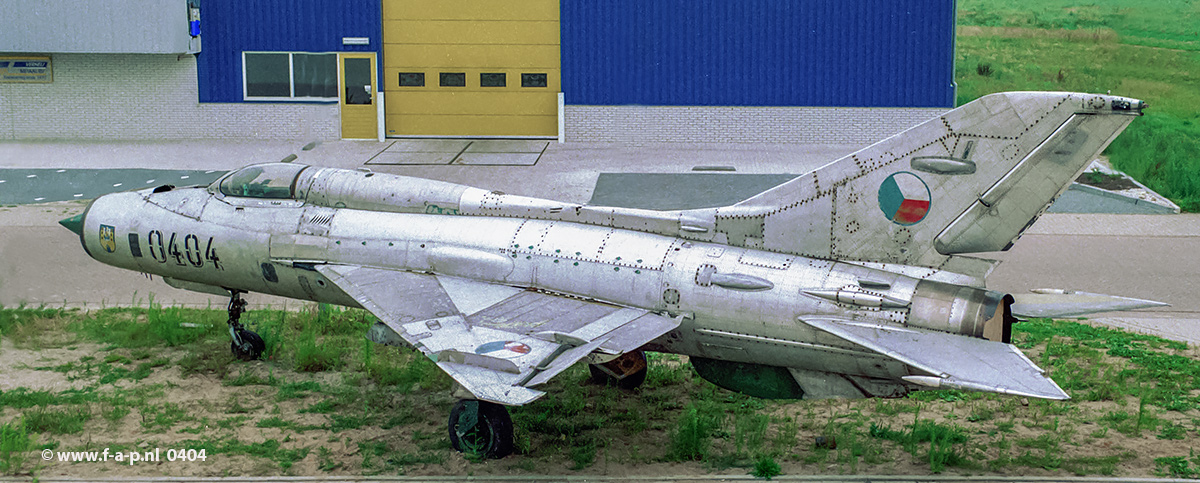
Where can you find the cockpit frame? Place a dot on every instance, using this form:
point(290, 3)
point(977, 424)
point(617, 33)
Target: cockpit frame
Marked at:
point(271, 181)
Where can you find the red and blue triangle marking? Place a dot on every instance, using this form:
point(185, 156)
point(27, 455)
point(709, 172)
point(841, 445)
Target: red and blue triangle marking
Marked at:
point(904, 198)
point(503, 348)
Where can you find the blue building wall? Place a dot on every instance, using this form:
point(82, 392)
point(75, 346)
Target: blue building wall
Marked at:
point(230, 27)
point(758, 52)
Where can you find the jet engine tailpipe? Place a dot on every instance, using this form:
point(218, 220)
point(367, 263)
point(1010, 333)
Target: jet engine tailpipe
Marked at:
point(962, 310)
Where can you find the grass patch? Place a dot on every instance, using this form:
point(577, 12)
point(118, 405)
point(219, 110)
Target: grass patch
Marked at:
point(271, 449)
point(1178, 466)
point(296, 390)
point(69, 420)
point(1171, 25)
point(15, 447)
point(314, 357)
point(944, 442)
point(1149, 51)
point(693, 434)
point(766, 468)
point(405, 370)
point(1155, 370)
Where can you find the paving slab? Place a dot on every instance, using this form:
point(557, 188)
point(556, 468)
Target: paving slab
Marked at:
point(429, 146)
point(27, 186)
point(506, 146)
point(497, 159)
point(411, 158)
point(1081, 198)
point(1103, 224)
point(1167, 327)
point(1145, 266)
point(680, 191)
point(173, 154)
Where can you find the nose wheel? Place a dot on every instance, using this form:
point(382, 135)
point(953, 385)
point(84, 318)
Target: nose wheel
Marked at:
point(481, 429)
point(246, 345)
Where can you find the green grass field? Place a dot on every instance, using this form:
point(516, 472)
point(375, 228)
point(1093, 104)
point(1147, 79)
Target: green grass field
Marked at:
point(1144, 49)
point(326, 401)
point(1173, 24)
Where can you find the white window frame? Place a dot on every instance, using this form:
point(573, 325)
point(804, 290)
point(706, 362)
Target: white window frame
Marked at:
point(291, 79)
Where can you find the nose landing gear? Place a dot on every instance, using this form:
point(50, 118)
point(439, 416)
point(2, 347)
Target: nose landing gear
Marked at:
point(246, 344)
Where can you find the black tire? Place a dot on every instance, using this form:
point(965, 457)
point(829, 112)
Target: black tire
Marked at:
point(629, 382)
point(252, 346)
point(490, 437)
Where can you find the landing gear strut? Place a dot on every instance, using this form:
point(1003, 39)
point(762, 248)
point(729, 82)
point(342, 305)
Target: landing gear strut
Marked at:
point(246, 345)
point(626, 372)
point(481, 429)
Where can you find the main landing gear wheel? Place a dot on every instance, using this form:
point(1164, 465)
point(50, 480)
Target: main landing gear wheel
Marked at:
point(626, 372)
point(251, 346)
point(481, 429)
point(246, 345)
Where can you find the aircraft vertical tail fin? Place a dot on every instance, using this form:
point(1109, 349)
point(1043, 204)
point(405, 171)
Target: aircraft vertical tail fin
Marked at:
point(970, 180)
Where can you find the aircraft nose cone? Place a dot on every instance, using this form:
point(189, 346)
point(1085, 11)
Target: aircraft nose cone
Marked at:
point(74, 223)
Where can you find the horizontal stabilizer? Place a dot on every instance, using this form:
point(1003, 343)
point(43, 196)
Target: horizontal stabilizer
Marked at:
point(952, 361)
point(1066, 303)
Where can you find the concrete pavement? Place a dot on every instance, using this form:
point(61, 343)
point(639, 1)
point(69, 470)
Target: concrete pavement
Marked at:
point(573, 167)
point(1144, 256)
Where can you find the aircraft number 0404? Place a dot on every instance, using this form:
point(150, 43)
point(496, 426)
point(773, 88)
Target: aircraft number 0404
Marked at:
point(184, 250)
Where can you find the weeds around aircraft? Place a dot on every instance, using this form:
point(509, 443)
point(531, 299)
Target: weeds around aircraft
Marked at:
point(848, 281)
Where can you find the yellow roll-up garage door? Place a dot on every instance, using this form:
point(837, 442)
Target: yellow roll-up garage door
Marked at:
point(471, 67)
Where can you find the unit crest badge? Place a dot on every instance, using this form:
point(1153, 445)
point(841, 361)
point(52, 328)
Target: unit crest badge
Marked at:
point(108, 238)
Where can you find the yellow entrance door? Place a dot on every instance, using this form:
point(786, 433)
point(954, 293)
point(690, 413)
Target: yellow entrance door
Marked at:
point(359, 96)
point(471, 67)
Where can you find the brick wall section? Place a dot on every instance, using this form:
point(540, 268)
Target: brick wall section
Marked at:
point(702, 124)
point(144, 96)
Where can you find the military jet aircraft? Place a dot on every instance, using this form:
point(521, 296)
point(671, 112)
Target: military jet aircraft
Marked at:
point(848, 281)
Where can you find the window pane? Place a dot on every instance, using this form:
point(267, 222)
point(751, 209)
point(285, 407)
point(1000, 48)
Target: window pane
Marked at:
point(262, 181)
point(533, 80)
point(492, 80)
point(453, 79)
point(358, 80)
point(412, 79)
point(315, 75)
point(267, 75)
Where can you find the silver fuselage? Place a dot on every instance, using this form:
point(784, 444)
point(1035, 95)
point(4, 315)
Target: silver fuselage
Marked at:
point(199, 237)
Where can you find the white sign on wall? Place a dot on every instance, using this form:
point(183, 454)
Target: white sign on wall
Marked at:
point(25, 69)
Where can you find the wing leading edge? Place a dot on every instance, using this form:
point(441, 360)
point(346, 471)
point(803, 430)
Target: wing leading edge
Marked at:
point(495, 341)
point(952, 361)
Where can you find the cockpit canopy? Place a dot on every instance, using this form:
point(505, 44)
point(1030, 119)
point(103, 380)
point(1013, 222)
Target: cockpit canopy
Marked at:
point(267, 181)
